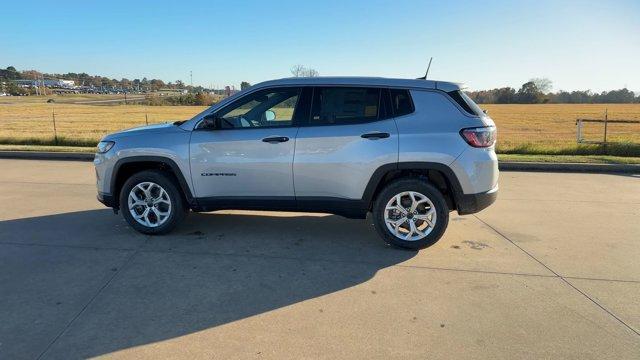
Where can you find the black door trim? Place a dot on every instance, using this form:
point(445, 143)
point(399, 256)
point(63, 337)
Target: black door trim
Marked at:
point(345, 207)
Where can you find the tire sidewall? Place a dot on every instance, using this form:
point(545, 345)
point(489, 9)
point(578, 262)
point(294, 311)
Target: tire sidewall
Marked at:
point(177, 205)
point(423, 187)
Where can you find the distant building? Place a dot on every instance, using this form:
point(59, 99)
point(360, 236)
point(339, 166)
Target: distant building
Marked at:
point(67, 83)
point(51, 83)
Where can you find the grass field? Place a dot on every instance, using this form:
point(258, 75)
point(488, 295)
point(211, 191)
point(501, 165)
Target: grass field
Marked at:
point(531, 129)
point(551, 128)
point(32, 123)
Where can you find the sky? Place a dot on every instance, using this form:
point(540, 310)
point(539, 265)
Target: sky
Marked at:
point(579, 45)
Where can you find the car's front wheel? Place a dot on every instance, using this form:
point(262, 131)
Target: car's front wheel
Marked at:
point(410, 213)
point(151, 203)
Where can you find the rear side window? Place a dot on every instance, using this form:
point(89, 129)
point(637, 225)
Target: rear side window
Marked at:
point(465, 102)
point(401, 102)
point(344, 105)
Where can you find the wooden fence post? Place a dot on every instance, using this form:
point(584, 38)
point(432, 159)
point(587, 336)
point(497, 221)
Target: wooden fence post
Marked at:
point(606, 118)
point(55, 131)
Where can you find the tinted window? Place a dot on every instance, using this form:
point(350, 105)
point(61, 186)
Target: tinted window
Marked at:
point(401, 102)
point(385, 105)
point(465, 102)
point(344, 105)
point(267, 108)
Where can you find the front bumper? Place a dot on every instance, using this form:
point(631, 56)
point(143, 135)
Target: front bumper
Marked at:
point(107, 199)
point(473, 203)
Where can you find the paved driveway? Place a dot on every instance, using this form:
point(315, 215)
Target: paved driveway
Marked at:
point(551, 270)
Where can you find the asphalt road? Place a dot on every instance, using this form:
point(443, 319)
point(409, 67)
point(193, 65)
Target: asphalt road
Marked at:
point(552, 270)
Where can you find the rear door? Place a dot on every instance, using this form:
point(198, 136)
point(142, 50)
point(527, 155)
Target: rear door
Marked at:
point(250, 152)
point(348, 136)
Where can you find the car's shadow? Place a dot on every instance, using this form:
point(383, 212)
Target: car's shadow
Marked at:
point(213, 270)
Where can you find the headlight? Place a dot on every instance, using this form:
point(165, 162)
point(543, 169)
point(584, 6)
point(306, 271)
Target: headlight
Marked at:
point(104, 146)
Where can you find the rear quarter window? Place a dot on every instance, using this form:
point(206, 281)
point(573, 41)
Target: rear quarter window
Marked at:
point(465, 102)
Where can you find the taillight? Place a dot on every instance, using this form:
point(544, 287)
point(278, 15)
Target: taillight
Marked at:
point(479, 137)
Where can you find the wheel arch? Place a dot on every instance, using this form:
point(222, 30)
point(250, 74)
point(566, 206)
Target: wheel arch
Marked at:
point(128, 166)
point(440, 175)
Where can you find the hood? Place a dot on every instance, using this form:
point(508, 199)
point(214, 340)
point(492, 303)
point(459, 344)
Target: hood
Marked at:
point(148, 129)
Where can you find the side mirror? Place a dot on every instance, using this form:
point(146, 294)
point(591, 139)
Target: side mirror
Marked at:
point(209, 122)
point(485, 111)
point(269, 115)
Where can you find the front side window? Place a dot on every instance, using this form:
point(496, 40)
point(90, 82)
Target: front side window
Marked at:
point(344, 105)
point(266, 108)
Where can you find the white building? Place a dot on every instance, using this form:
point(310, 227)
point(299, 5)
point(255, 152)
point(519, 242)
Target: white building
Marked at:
point(51, 83)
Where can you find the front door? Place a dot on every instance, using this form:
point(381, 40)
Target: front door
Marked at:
point(248, 153)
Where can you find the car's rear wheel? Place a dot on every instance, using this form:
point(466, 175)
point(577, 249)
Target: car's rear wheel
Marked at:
point(151, 202)
point(410, 213)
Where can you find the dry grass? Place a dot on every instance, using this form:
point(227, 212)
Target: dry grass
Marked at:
point(545, 128)
point(79, 124)
point(537, 129)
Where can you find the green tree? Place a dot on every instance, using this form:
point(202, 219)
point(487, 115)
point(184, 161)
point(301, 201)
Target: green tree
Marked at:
point(244, 85)
point(10, 73)
point(12, 89)
point(529, 94)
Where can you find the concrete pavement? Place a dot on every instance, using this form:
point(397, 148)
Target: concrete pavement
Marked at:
point(549, 271)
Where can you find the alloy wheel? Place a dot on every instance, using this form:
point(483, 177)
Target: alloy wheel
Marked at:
point(410, 215)
point(149, 204)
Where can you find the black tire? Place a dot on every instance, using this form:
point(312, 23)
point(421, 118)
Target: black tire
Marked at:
point(178, 209)
point(417, 185)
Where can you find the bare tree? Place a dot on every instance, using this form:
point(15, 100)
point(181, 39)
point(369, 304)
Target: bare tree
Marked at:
point(302, 71)
point(544, 85)
point(296, 70)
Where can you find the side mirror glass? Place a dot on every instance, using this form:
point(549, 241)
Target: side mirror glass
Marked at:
point(270, 115)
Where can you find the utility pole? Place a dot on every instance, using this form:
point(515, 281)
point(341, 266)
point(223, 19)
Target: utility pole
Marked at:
point(191, 76)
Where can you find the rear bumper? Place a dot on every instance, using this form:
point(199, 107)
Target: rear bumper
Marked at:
point(473, 203)
point(106, 199)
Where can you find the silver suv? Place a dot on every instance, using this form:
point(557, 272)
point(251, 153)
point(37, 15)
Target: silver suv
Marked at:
point(408, 151)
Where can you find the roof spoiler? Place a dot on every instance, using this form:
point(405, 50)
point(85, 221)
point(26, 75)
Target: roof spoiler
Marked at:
point(448, 86)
